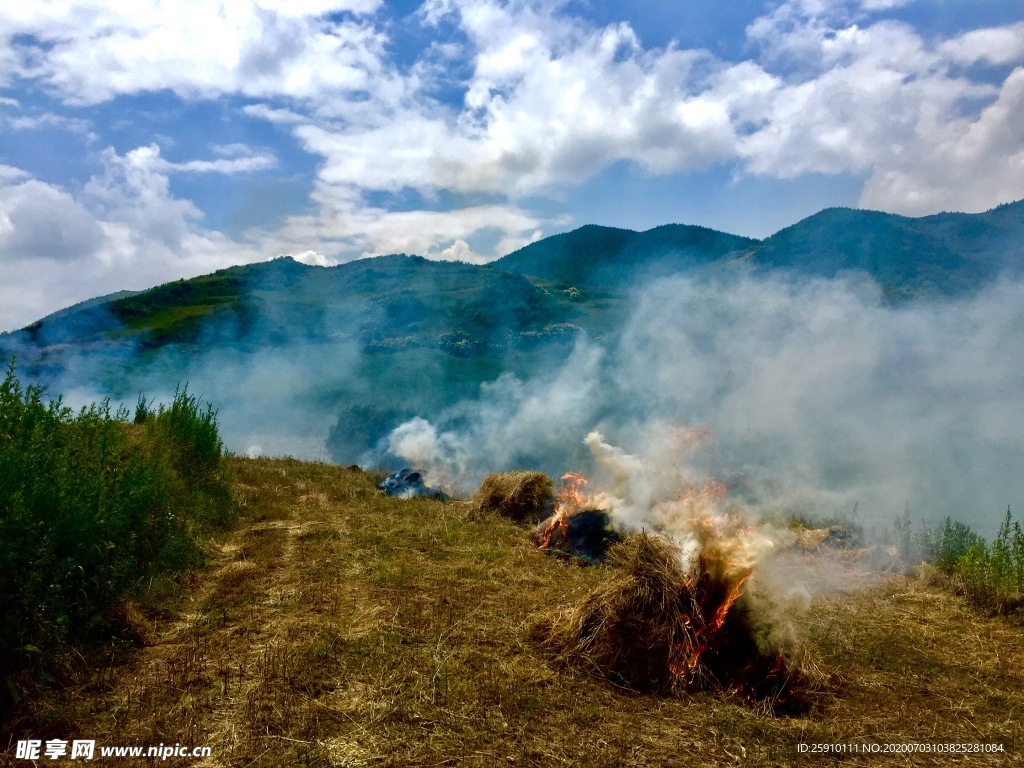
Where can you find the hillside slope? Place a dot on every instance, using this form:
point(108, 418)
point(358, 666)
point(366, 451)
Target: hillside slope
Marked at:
point(945, 254)
point(356, 349)
point(336, 626)
point(605, 256)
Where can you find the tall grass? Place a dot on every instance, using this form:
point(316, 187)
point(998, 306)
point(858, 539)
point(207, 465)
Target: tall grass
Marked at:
point(91, 507)
point(991, 575)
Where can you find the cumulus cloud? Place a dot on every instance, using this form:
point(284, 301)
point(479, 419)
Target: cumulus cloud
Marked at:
point(345, 226)
point(313, 259)
point(90, 51)
point(995, 45)
point(123, 229)
point(877, 99)
point(39, 221)
point(971, 164)
point(536, 101)
point(550, 100)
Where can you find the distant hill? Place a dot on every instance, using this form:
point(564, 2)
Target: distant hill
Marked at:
point(605, 256)
point(373, 342)
point(944, 254)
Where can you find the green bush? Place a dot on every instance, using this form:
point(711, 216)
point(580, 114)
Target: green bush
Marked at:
point(990, 575)
point(91, 507)
point(946, 546)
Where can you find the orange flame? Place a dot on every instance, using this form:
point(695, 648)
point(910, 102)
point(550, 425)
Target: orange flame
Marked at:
point(711, 591)
point(571, 496)
point(572, 490)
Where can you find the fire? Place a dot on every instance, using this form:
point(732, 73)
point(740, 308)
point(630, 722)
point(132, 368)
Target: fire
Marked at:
point(710, 592)
point(571, 497)
point(572, 491)
point(709, 630)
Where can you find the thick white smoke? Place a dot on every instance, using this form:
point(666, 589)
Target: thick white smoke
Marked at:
point(817, 394)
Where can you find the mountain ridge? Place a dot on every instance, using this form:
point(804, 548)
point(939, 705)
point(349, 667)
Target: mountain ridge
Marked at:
point(594, 254)
point(377, 341)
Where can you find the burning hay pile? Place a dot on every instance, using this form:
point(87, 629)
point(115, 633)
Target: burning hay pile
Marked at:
point(577, 527)
point(654, 626)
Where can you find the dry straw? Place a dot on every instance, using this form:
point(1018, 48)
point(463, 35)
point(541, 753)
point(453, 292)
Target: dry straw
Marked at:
point(626, 629)
point(521, 496)
point(647, 628)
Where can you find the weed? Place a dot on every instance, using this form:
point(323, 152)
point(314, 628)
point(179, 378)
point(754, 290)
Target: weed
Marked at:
point(991, 575)
point(93, 508)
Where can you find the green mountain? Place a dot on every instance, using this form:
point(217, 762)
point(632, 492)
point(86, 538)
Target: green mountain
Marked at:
point(605, 256)
point(944, 254)
point(371, 343)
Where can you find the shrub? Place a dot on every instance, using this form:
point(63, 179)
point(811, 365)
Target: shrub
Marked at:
point(949, 544)
point(92, 507)
point(991, 576)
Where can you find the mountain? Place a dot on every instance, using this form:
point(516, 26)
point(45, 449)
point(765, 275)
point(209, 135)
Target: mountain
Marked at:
point(358, 348)
point(605, 256)
point(944, 254)
point(386, 303)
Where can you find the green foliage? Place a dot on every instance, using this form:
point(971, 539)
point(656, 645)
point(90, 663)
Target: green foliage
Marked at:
point(990, 575)
point(91, 507)
point(176, 311)
point(946, 546)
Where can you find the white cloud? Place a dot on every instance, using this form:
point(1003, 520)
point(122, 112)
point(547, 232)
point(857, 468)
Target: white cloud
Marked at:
point(51, 120)
point(460, 251)
point(548, 101)
point(345, 226)
point(134, 190)
point(10, 174)
point(966, 164)
point(883, 5)
point(994, 45)
point(39, 221)
point(879, 100)
point(551, 101)
point(123, 230)
point(258, 161)
point(89, 51)
point(313, 259)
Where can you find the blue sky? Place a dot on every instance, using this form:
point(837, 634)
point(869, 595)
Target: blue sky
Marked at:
point(145, 141)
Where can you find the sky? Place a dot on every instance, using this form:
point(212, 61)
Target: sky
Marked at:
point(143, 141)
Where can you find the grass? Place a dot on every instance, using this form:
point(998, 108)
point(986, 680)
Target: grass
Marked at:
point(337, 627)
point(91, 509)
point(176, 311)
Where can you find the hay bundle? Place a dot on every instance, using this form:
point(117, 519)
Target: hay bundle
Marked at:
point(520, 496)
point(627, 629)
point(653, 627)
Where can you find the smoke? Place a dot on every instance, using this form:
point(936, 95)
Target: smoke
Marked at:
point(817, 395)
point(802, 396)
point(275, 371)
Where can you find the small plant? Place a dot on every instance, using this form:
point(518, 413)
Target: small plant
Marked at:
point(946, 546)
point(142, 410)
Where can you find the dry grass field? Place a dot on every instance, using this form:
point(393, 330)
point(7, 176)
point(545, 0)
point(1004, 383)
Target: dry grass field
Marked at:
point(337, 627)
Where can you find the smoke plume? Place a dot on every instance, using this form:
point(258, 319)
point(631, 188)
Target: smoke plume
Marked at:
point(814, 397)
